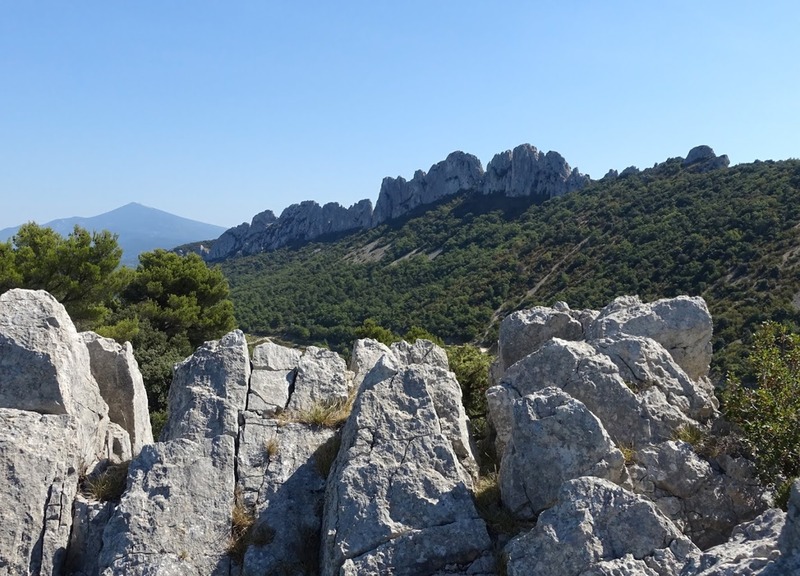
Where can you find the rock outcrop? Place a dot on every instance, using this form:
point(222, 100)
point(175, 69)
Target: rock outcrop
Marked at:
point(703, 159)
point(383, 514)
point(254, 475)
point(524, 171)
point(459, 172)
point(298, 223)
point(640, 372)
point(54, 428)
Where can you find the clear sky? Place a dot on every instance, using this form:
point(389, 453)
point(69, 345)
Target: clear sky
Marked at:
point(218, 110)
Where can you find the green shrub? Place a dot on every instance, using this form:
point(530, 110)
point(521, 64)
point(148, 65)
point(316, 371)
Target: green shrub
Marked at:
point(767, 411)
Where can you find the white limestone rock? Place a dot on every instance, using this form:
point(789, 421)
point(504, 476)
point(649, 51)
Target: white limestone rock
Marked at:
point(321, 378)
point(682, 325)
point(208, 390)
point(459, 172)
point(420, 352)
point(175, 517)
point(594, 522)
point(525, 171)
point(366, 353)
point(86, 540)
point(554, 438)
point(40, 459)
point(524, 331)
point(274, 369)
point(46, 367)
point(271, 356)
point(281, 476)
point(117, 374)
point(397, 500)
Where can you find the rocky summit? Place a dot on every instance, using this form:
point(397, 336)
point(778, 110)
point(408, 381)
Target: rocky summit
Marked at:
point(289, 461)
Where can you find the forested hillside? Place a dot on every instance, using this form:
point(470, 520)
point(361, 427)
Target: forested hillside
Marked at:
point(457, 268)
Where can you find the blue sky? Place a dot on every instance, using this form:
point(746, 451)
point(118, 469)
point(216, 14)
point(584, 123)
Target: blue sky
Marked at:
point(219, 110)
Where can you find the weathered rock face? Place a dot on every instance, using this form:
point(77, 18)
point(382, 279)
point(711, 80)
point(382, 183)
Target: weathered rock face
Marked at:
point(682, 325)
point(391, 493)
point(117, 374)
point(321, 379)
point(641, 371)
point(282, 471)
point(554, 438)
point(459, 172)
point(46, 367)
point(596, 522)
point(525, 171)
point(55, 427)
point(382, 513)
point(40, 457)
point(189, 476)
point(524, 331)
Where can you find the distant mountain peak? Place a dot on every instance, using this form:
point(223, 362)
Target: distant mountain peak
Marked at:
point(140, 229)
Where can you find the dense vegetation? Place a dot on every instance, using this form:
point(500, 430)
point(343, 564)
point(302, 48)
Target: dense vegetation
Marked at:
point(459, 267)
point(766, 413)
point(166, 307)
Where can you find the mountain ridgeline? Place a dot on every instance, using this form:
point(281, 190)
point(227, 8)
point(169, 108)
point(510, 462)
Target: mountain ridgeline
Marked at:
point(457, 265)
point(524, 171)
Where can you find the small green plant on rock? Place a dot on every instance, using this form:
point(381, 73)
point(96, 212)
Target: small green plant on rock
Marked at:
point(767, 410)
point(692, 435)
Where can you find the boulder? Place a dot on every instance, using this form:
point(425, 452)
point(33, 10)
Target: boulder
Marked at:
point(121, 386)
point(682, 325)
point(588, 376)
point(397, 499)
point(593, 523)
point(524, 331)
point(554, 438)
point(46, 367)
point(650, 369)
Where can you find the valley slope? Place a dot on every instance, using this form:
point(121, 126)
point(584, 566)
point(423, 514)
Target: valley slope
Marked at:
point(457, 267)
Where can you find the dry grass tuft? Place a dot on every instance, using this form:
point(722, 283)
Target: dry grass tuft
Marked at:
point(322, 414)
point(498, 518)
point(242, 520)
point(109, 484)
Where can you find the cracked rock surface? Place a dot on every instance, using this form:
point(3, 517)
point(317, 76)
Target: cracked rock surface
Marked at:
point(397, 500)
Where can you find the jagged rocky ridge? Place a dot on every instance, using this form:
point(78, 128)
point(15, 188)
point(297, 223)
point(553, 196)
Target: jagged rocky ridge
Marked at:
point(523, 171)
point(586, 406)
